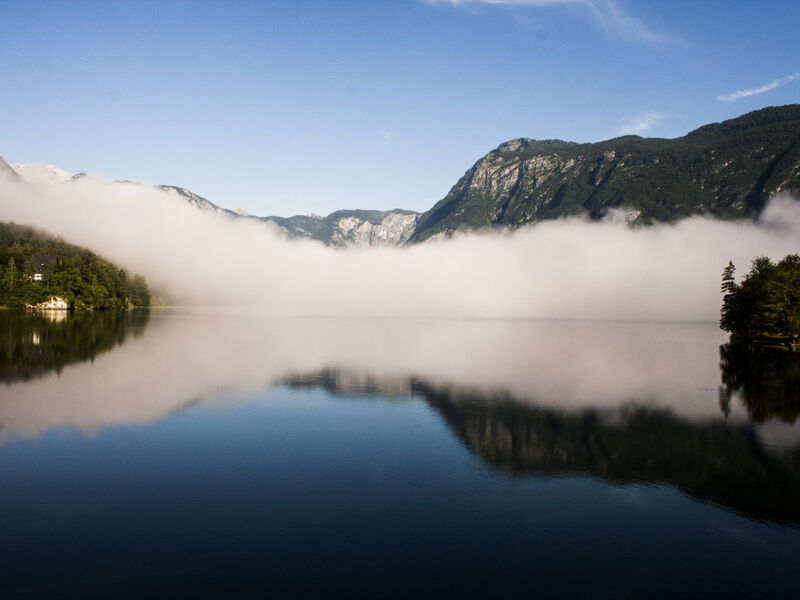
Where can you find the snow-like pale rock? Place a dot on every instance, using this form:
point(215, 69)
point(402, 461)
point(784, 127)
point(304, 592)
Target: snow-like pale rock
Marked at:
point(41, 173)
point(355, 232)
point(55, 303)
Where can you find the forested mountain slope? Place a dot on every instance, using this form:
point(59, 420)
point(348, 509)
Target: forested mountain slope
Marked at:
point(728, 170)
point(35, 266)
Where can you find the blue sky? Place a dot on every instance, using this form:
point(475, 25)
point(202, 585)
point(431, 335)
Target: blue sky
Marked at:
point(288, 107)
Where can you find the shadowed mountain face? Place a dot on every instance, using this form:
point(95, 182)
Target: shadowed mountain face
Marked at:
point(712, 460)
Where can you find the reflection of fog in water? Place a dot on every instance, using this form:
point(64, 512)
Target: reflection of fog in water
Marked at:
point(779, 436)
point(181, 356)
point(566, 365)
point(626, 402)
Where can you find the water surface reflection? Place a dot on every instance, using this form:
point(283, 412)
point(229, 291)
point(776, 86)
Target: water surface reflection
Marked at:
point(627, 402)
point(326, 452)
point(35, 343)
point(182, 356)
point(765, 378)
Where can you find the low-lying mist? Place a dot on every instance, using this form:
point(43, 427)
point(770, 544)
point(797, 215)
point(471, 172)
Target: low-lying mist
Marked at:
point(183, 356)
point(570, 268)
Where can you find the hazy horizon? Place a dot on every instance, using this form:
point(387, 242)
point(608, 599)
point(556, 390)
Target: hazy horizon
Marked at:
point(567, 268)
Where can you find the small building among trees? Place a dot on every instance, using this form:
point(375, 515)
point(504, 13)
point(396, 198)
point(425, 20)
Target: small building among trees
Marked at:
point(43, 265)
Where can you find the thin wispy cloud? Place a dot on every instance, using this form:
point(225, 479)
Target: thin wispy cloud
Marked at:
point(611, 17)
point(506, 2)
point(775, 83)
point(640, 123)
point(607, 14)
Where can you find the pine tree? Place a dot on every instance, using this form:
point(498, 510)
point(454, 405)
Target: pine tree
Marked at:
point(728, 282)
point(729, 287)
point(767, 302)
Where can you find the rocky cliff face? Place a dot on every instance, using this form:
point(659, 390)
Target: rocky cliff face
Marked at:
point(197, 201)
point(726, 170)
point(393, 229)
point(42, 173)
point(7, 171)
point(341, 229)
point(54, 303)
point(352, 228)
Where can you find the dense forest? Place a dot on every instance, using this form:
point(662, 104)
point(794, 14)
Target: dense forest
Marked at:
point(766, 304)
point(35, 266)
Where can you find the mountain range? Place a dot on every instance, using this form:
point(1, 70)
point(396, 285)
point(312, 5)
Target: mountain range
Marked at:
point(726, 170)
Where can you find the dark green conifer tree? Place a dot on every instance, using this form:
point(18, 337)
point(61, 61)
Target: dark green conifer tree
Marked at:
point(767, 302)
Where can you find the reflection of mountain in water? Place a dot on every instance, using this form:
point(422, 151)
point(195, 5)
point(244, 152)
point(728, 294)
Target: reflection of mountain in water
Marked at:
point(33, 344)
point(545, 419)
point(711, 460)
point(338, 381)
point(766, 378)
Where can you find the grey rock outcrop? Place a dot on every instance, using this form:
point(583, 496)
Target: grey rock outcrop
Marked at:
point(7, 171)
point(352, 228)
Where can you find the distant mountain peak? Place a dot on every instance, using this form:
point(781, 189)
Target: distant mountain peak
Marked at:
point(35, 173)
point(726, 170)
point(6, 170)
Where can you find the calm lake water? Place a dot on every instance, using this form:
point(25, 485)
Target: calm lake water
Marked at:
point(202, 454)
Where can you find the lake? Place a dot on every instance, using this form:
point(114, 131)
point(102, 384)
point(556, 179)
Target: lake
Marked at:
point(204, 453)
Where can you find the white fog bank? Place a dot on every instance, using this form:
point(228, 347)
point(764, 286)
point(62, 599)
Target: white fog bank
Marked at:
point(568, 268)
point(189, 355)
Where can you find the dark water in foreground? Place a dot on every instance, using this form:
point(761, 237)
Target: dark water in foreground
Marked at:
point(205, 455)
